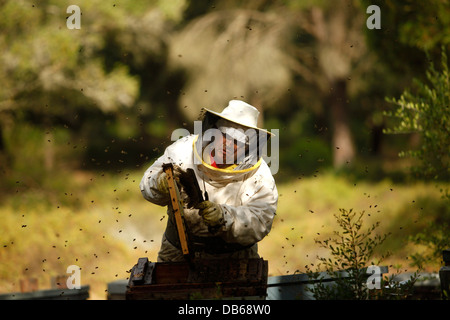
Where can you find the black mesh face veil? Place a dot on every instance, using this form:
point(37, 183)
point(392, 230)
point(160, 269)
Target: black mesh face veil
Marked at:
point(251, 140)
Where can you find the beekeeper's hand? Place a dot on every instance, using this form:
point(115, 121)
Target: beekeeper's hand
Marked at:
point(211, 213)
point(162, 185)
point(161, 182)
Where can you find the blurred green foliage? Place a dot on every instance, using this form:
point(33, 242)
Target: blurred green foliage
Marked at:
point(136, 71)
point(426, 112)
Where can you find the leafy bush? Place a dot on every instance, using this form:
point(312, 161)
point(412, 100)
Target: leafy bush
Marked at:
point(351, 250)
point(427, 112)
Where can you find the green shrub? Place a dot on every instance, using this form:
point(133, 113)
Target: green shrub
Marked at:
point(351, 250)
point(427, 112)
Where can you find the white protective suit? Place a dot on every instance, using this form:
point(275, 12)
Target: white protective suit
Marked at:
point(248, 199)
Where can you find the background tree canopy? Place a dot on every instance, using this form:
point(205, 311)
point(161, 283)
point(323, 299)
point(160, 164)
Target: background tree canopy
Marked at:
point(136, 71)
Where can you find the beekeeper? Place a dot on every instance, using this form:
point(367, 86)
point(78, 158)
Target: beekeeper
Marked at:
point(228, 165)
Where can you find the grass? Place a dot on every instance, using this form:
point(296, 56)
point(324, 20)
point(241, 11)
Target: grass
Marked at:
point(100, 222)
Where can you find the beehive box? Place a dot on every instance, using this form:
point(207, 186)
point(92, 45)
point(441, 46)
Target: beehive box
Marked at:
point(198, 279)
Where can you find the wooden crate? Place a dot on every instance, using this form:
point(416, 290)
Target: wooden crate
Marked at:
point(198, 279)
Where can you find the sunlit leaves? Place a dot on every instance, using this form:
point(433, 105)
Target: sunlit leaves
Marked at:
point(427, 111)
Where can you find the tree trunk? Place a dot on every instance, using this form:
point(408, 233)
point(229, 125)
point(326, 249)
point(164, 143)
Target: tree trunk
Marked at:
point(342, 140)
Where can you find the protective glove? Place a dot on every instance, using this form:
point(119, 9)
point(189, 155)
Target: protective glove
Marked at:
point(161, 182)
point(211, 213)
point(162, 185)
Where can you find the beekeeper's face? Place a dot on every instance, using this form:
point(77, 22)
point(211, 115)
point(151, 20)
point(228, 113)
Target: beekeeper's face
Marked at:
point(226, 150)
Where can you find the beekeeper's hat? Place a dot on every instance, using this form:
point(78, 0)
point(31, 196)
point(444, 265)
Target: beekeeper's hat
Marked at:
point(238, 112)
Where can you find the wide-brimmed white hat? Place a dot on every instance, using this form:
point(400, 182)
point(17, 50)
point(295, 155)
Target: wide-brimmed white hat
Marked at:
point(239, 112)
